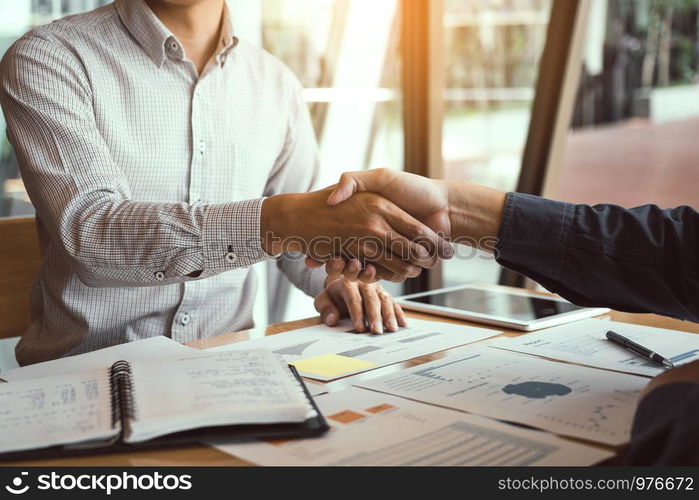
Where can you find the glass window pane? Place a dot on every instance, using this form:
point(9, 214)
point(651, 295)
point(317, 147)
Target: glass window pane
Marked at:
point(345, 52)
point(492, 52)
point(633, 135)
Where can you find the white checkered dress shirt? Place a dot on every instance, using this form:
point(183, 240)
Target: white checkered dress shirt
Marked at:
point(147, 179)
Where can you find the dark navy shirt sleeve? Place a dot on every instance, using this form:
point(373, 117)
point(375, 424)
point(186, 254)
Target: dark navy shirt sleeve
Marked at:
point(665, 430)
point(644, 259)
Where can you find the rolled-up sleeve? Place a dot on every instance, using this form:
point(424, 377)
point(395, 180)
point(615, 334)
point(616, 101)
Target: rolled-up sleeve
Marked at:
point(84, 199)
point(643, 259)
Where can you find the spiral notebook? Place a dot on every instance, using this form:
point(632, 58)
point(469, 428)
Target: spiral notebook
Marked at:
point(164, 401)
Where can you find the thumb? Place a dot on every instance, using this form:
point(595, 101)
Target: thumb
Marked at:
point(344, 189)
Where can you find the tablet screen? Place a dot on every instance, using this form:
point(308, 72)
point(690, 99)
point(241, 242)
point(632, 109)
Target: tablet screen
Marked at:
point(499, 304)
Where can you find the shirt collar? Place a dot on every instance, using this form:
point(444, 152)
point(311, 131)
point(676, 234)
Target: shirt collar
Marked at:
point(153, 36)
point(146, 28)
point(228, 41)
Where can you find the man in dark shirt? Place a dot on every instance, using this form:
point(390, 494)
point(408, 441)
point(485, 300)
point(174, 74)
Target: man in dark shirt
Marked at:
point(642, 260)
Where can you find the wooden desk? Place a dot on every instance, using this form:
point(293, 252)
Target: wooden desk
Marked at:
point(201, 455)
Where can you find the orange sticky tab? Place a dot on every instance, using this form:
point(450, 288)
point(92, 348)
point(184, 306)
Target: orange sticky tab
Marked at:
point(380, 408)
point(346, 417)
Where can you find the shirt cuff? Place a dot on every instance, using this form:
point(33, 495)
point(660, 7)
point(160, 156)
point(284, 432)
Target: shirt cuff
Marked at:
point(231, 235)
point(534, 235)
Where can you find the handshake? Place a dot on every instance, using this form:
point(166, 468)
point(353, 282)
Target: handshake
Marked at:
point(382, 224)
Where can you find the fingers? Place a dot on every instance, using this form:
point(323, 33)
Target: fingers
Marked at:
point(312, 263)
point(329, 313)
point(400, 315)
point(388, 312)
point(401, 247)
point(352, 270)
point(372, 250)
point(335, 268)
point(372, 307)
point(354, 302)
point(420, 236)
point(367, 304)
point(368, 274)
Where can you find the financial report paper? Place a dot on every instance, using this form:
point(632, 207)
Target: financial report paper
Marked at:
point(585, 342)
point(154, 347)
point(369, 428)
point(327, 353)
point(565, 399)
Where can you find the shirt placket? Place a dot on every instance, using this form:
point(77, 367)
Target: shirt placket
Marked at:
point(186, 324)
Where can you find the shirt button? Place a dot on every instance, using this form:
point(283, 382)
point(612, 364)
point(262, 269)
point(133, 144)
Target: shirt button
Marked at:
point(202, 146)
point(173, 45)
point(185, 319)
point(231, 257)
point(160, 276)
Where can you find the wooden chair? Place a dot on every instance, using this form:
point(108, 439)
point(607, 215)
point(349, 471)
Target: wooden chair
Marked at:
point(20, 259)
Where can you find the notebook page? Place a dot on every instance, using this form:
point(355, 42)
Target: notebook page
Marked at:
point(44, 412)
point(218, 388)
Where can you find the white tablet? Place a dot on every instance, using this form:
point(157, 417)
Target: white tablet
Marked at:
point(519, 310)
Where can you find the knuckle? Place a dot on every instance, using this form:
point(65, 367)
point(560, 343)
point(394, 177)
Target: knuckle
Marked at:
point(416, 229)
point(375, 203)
point(375, 228)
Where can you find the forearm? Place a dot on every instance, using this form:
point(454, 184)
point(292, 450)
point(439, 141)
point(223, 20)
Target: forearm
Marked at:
point(475, 213)
point(280, 227)
point(128, 243)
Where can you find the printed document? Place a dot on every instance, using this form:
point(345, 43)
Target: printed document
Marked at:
point(369, 428)
point(565, 399)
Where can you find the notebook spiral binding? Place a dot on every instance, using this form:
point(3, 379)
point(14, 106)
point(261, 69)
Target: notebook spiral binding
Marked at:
point(121, 386)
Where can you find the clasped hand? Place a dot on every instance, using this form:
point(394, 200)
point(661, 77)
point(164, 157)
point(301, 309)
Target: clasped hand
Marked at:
point(367, 228)
point(369, 232)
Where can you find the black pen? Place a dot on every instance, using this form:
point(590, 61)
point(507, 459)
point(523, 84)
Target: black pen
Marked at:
point(638, 349)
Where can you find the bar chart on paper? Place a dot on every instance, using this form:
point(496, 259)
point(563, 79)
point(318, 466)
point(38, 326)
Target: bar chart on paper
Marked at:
point(565, 399)
point(326, 353)
point(369, 428)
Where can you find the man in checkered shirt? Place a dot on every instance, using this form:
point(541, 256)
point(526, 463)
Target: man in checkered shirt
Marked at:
point(157, 149)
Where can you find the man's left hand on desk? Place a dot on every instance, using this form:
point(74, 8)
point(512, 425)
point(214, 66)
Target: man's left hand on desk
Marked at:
point(366, 304)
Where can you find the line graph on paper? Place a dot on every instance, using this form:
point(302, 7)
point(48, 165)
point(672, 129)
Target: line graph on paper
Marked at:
point(621, 400)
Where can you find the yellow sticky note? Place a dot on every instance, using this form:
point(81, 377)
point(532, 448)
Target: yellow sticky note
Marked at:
point(331, 365)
